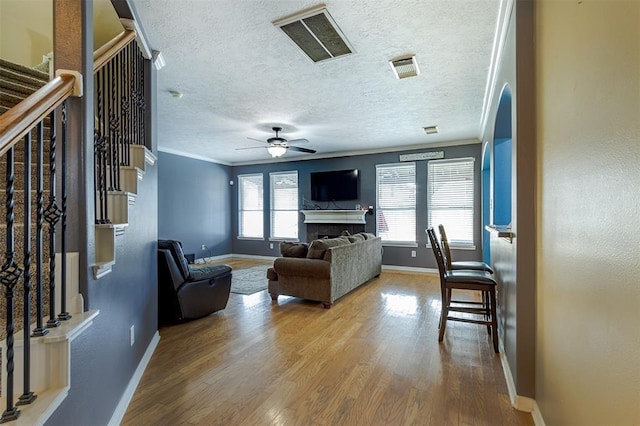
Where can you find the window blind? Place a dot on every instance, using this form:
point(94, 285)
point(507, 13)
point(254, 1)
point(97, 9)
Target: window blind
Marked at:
point(450, 186)
point(396, 202)
point(250, 206)
point(284, 205)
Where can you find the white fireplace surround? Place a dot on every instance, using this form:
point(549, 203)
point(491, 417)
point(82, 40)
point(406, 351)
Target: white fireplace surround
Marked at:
point(334, 216)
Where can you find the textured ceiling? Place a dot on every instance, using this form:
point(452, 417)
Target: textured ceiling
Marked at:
point(240, 76)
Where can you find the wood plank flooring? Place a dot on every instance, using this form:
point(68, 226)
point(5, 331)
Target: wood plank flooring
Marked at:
point(372, 359)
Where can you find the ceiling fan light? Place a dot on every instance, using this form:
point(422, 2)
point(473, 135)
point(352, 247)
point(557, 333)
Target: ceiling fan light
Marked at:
point(276, 151)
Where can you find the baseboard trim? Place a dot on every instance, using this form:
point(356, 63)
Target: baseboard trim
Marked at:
point(253, 256)
point(409, 269)
point(520, 403)
point(537, 415)
point(121, 409)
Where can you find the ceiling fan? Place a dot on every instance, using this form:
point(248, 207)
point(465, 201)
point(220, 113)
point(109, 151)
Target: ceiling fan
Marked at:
point(278, 145)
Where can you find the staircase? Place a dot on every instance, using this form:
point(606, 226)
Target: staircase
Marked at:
point(50, 353)
point(16, 83)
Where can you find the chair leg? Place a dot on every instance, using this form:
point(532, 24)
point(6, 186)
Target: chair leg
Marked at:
point(487, 309)
point(444, 313)
point(494, 320)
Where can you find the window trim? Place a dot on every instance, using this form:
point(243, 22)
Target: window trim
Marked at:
point(240, 209)
point(271, 209)
point(457, 245)
point(398, 243)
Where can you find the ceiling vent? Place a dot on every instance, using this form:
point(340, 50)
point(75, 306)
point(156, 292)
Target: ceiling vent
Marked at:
point(316, 33)
point(430, 130)
point(405, 67)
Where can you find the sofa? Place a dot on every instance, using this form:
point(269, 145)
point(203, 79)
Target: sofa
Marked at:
point(187, 292)
point(325, 269)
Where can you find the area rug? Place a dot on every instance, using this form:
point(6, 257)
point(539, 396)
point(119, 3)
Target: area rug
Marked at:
point(249, 280)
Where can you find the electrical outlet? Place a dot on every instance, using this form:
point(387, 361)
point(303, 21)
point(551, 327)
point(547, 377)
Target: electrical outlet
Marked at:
point(413, 253)
point(132, 335)
point(203, 247)
point(271, 245)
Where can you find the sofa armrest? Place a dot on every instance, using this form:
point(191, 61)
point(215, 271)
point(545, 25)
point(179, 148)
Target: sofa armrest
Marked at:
point(302, 267)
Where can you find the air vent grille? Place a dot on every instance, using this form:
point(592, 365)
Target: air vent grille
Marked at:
point(316, 33)
point(405, 67)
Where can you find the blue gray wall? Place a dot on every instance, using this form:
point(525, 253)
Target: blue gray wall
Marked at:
point(400, 256)
point(102, 360)
point(194, 204)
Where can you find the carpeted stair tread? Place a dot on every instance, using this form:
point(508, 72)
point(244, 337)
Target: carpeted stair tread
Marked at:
point(36, 74)
point(16, 83)
point(18, 87)
point(18, 172)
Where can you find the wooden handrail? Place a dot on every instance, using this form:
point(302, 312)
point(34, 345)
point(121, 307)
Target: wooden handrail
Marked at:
point(20, 119)
point(23, 117)
point(111, 49)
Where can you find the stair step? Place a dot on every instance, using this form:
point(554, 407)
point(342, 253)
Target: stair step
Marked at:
point(19, 83)
point(19, 175)
point(19, 289)
point(38, 75)
point(18, 206)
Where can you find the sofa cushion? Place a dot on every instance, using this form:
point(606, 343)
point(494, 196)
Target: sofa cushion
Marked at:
point(356, 238)
point(319, 247)
point(289, 249)
point(367, 235)
point(208, 272)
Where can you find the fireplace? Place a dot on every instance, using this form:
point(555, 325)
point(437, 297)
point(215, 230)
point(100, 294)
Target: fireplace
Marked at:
point(331, 230)
point(332, 223)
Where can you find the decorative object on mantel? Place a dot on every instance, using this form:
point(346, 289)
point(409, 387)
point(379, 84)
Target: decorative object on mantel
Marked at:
point(432, 155)
point(334, 216)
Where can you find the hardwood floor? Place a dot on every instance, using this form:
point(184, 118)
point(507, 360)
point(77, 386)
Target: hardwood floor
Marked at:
point(372, 359)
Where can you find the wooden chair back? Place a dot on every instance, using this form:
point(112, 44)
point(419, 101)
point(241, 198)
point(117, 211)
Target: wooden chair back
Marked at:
point(446, 251)
point(437, 252)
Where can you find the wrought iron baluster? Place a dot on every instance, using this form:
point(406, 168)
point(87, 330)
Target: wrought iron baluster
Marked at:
point(141, 100)
point(97, 193)
point(63, 315)
point(103, 146)
point(113, 171)
point(115, 90)
point(40, 329)
point(99, 146)
point(52, 215)
point(27, 396)
point(134, 96)
point(124, 105)
point(9, 276)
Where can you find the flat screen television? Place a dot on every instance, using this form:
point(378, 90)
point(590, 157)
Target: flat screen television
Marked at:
point(337, 185)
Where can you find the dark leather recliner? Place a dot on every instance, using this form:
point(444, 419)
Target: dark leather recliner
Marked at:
point(186, 293)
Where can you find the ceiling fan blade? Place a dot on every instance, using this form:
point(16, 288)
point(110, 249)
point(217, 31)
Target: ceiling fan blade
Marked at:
point(297, 141)
point(254, 139)
point(251, 147)
point(307, 150)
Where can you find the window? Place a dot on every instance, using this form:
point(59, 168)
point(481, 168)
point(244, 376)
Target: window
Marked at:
point(450, 198)
point(250, 210)
point(284, 205)
point(396, 201)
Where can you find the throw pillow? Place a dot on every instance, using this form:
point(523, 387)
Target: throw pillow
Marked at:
point(289, 249)
point(319, 247)
point(356, 238)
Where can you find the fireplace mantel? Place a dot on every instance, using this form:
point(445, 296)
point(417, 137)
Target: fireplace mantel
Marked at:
point(334, 216)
